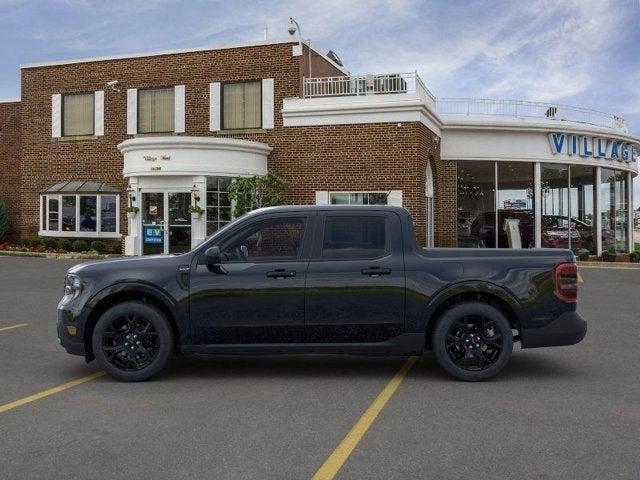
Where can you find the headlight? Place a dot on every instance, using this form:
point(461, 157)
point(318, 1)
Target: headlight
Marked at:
point(72, 285)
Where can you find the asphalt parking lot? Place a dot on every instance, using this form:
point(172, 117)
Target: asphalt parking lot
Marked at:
point(565, 413)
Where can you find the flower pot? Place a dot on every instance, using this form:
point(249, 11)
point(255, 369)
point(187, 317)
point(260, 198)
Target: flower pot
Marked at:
point(196, 216)
point(131, 215)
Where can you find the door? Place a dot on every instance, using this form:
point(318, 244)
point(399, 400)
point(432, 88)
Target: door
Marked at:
point(256, 295)
point(166, 222)
point(355, 281)
point(153, 223)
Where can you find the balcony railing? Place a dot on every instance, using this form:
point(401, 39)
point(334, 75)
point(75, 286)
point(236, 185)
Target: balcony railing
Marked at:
point(356, 85)
point(526, 109)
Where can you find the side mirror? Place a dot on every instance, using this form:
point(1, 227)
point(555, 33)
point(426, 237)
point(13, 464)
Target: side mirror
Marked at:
point(212, 256)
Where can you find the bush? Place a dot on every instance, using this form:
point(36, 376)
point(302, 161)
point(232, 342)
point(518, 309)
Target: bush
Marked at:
point(65, 244)
point(80, 246)
point(26, 242)
point(98, 246)
point(115, 247)
point(34, 241)
point(49, 242)
point(4, 221)
point(634, 257)
point(583, 254)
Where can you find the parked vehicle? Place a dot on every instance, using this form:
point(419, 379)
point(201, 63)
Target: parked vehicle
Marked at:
point(321, 279)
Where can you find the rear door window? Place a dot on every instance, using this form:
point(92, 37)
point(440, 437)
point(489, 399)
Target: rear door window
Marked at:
point(352, 237)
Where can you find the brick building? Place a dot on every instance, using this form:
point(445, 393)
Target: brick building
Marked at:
point(162, 131)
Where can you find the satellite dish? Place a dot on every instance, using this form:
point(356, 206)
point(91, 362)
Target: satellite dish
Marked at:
point(334, 56)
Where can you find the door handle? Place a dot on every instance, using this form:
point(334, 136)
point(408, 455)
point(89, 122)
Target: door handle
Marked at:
point(281, 273)
point(376, 271)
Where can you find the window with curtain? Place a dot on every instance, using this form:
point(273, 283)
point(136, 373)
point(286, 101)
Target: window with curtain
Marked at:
point(156, 110)
point(77, 114)
point(242, 105)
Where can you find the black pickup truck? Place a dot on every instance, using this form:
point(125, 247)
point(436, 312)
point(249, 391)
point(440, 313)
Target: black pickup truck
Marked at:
point(321, 279)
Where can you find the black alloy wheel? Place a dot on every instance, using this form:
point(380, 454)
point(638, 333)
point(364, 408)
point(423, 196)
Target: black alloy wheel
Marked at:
point(133, 341)
point(472, 341)
point(130, 342)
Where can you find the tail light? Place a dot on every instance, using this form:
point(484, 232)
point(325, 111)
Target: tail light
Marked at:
point(565, 277)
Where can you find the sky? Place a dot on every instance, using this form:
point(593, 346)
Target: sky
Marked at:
point(577, 52)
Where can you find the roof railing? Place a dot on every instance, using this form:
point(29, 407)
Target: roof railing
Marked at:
point(527, 109)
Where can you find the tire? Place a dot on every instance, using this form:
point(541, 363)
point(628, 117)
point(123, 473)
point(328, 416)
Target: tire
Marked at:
point(132, 341)
point(472, 341)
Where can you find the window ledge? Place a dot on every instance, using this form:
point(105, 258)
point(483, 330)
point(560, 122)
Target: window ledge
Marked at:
point(47, 233)
point(241, 131)
point(77, 138)
point(154, 134)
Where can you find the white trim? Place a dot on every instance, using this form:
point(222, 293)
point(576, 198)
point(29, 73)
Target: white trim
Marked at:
point(179, 109)
point(537, 203)
point(10, 100)
point(98, 113)
point(56, 115)
point(630, 242)
point(214, 107)
point(132, 111)
point(395, 198)
point(48, 233)
point(268, 107)
point(598, 209)
point(322, 197)
point(176, 52)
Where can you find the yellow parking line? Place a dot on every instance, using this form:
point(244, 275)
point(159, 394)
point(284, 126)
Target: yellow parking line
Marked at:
point(580, 279)
point(334, 463)
point(48, 392)
point(13, 326)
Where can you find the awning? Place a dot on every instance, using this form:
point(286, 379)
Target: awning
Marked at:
point(81, 186)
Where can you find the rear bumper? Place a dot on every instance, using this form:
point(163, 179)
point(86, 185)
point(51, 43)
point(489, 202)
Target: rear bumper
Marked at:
point(568, 329)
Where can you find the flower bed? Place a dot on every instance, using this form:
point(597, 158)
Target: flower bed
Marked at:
point(49, 245)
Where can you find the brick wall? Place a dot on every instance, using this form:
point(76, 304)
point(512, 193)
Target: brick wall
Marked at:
point(9, 161)
point(341, 157)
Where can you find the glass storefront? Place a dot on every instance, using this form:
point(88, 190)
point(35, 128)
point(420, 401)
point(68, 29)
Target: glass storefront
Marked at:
point(614, 189)
point(497, 205)
point(476, 204)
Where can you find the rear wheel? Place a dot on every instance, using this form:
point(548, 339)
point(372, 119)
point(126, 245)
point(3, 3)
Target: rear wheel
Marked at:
point(132, 341)
point(472, 341)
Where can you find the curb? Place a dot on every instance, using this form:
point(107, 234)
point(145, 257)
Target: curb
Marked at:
point(612, 265)
point(57, 256)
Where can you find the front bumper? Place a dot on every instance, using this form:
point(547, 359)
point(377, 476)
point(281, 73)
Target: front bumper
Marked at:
point(73, 344)
point(568, 329)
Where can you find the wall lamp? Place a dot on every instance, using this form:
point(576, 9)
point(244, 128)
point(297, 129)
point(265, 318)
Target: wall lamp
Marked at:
point(132, 194)
point(195, 193)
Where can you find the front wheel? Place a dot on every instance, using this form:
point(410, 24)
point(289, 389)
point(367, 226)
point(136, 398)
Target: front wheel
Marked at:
point(472, 341)
point(132, 341)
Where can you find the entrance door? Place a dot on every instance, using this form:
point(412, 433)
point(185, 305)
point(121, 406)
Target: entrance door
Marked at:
point(166, 222)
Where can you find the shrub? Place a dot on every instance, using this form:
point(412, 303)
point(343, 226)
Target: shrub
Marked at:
point(35, 241)
point(609, 255)
point(634, 257)
point(49, 242)
point(98, 246)
point(26, 242)
point(583, 254)
point(4, 221)
point(65, 244)
point(114, 247)
point(80, 246)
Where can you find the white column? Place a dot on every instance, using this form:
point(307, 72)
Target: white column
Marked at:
point(630, 210)
point(199, 223)
point(537, 203)
point(598, 210)
point(133, 241)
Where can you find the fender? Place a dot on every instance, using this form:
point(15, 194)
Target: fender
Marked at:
point(467, 287)
point(179, 314)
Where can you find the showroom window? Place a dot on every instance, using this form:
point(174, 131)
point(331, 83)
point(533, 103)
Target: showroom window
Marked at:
point(218, 203)
point(476, 204)
point(76, 215)
point(554, 201)
point(156, 110)
point(614, 190)
point(241, 105)
point(516, 218)
point(358, 198)
point(582, 206)
point(78, 114)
